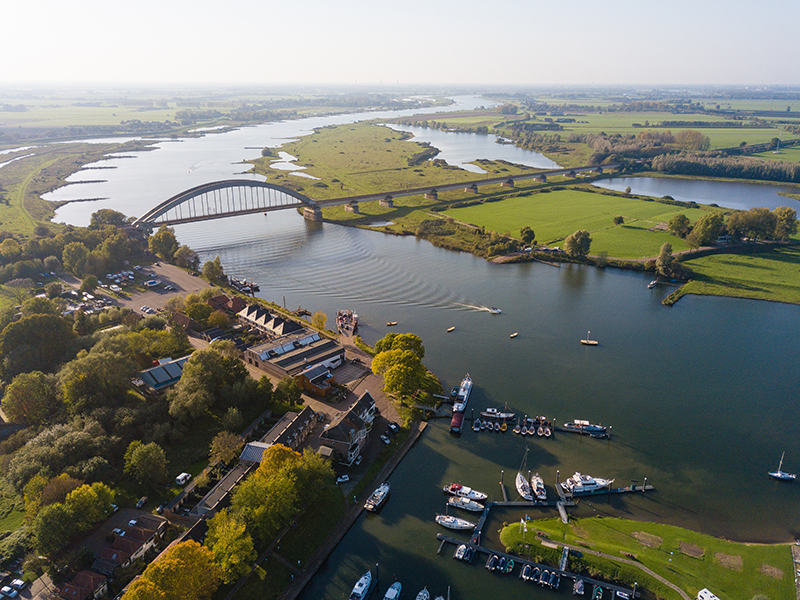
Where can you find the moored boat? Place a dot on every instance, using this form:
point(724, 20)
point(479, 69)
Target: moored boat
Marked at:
point(547, 432)
point(424, 594)
point(597, 594)
point(578, 587)
point(544, 578)
point(457, 422)
point(540, 431)
point(465, 503)
point(391, 323)
point(394, 592)
point(584, 427)
point(456, 489)
point(525, 573)
point(780, 474)
point(460, 552)
point(378, 497)
point(491, 562)
point(498, 414)
point(462, 397)
point(362, 588)
point(535, 575)
point(652, 284)
point(584, 484)
point(517, 428)
point(537, 483)
point(555, 580)
point(454, 522)
point(509, 566)
point(503, 427)
point(476, 425)
point(521, 482)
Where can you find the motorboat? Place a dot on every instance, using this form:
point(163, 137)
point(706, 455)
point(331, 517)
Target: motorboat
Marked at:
point(483, 425)
point(544, 578)
point(597, 593)
point(454, 522)
point(509, 566)
point(462, 397)
point(424, 594)
point(498, 414)
point(378, 497)
point(547, 432)
point(489, 425)
point(652, 284)
point(623, 595)
point(391, 323)
point(503, 427)
point(537, 483)
point(469, 554)
point(540, 431)
point(454, 391)
point(584, 427)
point(460, 552)
point(451, 329)
point(394, 592)
point(465, 503)
point(476, 425)
point(456, 489)
point(555, 580)
point(501, 564)
point(584, 484)
point(513, 335)
point(780, 474)
point(517, 428)
point(362, 588)
point(535, 575)
point(457, 422)
point(494, 310)
point(578, 587)
point(491, 563)
point(525, 573)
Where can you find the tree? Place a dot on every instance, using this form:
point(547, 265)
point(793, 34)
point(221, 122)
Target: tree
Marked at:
point(106, 216)
point(231, 545)
point(692, 141)
point(80, 323)
point(89, 504)
point(707, 229)
point(74, 258)
point(318, 320)
point(287, 391)
point(401, 341)
point(219, 318)
point(578, 243)
point(30, 399)
point(146, 463)
point(628, 191)
point(786, 225)
point(619, 220)
point(89, 283)
point(527, 235)
point(187, 258)
point(225, 447)
point(52, 528)
point(668, 266)
point(19, 289)
point(163, 243)
point(198, 311)
point(35, 343)
point(53, 290)
point(40, 306)
point(679, 225)
point(213, 271)
point(693, 240)
point(95, 379)
point(185, 571)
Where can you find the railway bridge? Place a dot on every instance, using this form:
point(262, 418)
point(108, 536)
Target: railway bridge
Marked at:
point(232, 197)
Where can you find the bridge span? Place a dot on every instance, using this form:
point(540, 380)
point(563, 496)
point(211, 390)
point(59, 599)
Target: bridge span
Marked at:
point(232, 197)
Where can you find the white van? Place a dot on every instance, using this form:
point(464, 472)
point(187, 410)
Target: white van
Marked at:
point(183, 478)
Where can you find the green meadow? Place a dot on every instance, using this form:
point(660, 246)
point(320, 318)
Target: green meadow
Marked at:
point(554, 215)
point(690, 560)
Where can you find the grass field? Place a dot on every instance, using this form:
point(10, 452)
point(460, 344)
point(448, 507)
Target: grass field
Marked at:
point(555, 215)
point(691, 560)
point(790, 154)
point(772, 275)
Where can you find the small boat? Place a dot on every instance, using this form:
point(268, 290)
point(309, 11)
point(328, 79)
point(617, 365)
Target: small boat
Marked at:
point(588, 341)
point(782, 475)
point(469, 554)
point(623, 595)
point(456, 422)
point(460, 552)
point(483, 425)
point(454, 392)
point(465, 504)
point(491, 563)
point(578, 587)
point(517, 428)
point(555, 580)
point(597, 594)
point(544, 579)
point(499, 414)
point(540, 431)
point(449, 329)
point(476, 425)
point(503, 427)
point(547, 432)
point(535, 575)
point(509, 566)
point(524, 430)
point(487, 425)
point(537, 483)
point(378, 497)
point(456, 489)
point(513, 335)
point(454, 522)
point(501, 564)
point(424, 594)
point(391, 323)
point(362, 588)
point(494, 310)
point(652, 284)
point(525, 573)
point(394, 592)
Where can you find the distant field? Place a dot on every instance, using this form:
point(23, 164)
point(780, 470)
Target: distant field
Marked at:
point(69, 115)
point(791, 154)
point(773, 275)
point(555, 215)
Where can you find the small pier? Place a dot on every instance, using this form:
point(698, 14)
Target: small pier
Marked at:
point(563, 512)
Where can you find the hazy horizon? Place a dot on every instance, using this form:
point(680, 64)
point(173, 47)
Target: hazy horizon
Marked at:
point(511, 43)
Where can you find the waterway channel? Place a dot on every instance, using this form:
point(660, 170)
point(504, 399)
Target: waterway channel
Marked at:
point(701, 396)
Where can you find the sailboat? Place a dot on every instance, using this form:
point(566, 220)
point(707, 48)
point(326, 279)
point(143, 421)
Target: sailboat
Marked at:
point(588, 341)
point(782, 475)
point(523, 487)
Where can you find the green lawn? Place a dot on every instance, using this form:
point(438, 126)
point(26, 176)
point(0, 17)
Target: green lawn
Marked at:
point(790, 154)
point(772, 275)
point(688, 559)
point(555, 215)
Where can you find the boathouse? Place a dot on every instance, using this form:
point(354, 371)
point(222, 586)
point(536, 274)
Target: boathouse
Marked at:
point(259, 318)
point(291, 354)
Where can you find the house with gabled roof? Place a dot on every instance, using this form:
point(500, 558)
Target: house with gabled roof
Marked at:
point(85, 585)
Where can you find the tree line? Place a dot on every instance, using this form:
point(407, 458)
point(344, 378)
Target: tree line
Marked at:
point(714, 164)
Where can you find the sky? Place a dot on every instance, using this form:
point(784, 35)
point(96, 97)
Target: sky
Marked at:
point(401, 43)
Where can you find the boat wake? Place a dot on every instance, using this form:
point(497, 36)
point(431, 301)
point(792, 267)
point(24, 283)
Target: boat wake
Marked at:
point(476, 307)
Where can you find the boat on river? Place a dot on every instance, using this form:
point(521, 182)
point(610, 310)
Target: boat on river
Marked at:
point(460, 552)
point(394, 592)
point(391, 323)
point(424, 594)
point(363, 587)
point(454, 522)
point(521, 482)
point(597, 594)
point(537, 483)
point(476, 425)
point(378, 497)
point(494, 310)
point(584, 484)
point(525, 572)
point(456, 489)
point(652, 284)
point(457, 422)
point(462, 397)
point(517, 428)
point(499, 414)
point(465, 503)
point(582, 426)
point(588, 341)
point(578, 587)
point(780, 474)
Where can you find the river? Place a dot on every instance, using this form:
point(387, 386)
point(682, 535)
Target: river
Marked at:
point(701, 396)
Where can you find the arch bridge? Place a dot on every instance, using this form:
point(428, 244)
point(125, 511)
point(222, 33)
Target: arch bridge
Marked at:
point(225, 199)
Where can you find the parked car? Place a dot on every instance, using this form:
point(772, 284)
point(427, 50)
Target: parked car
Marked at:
point(394, 427)
point(342, 479)
point(8, 592)
point(142, 501)
point(18, 584)
point(161, 507)
point(183, 478)
point(358, 460)
point(118, 531)
point(385, 440)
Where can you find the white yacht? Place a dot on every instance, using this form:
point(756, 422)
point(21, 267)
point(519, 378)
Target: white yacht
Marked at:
point(462, 396)
point(394, 592)
point(583, 484)
point(537, 483)
point(362, 587)
point(378, 497)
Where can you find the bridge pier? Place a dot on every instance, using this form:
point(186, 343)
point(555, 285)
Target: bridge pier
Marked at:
point(312, 213)
point(387, 202)
point(572, 174)
point(473, 188)
point(507, 183)
point(352, 207)
point(599, 170)
point(542, 178)
point(432, 195)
